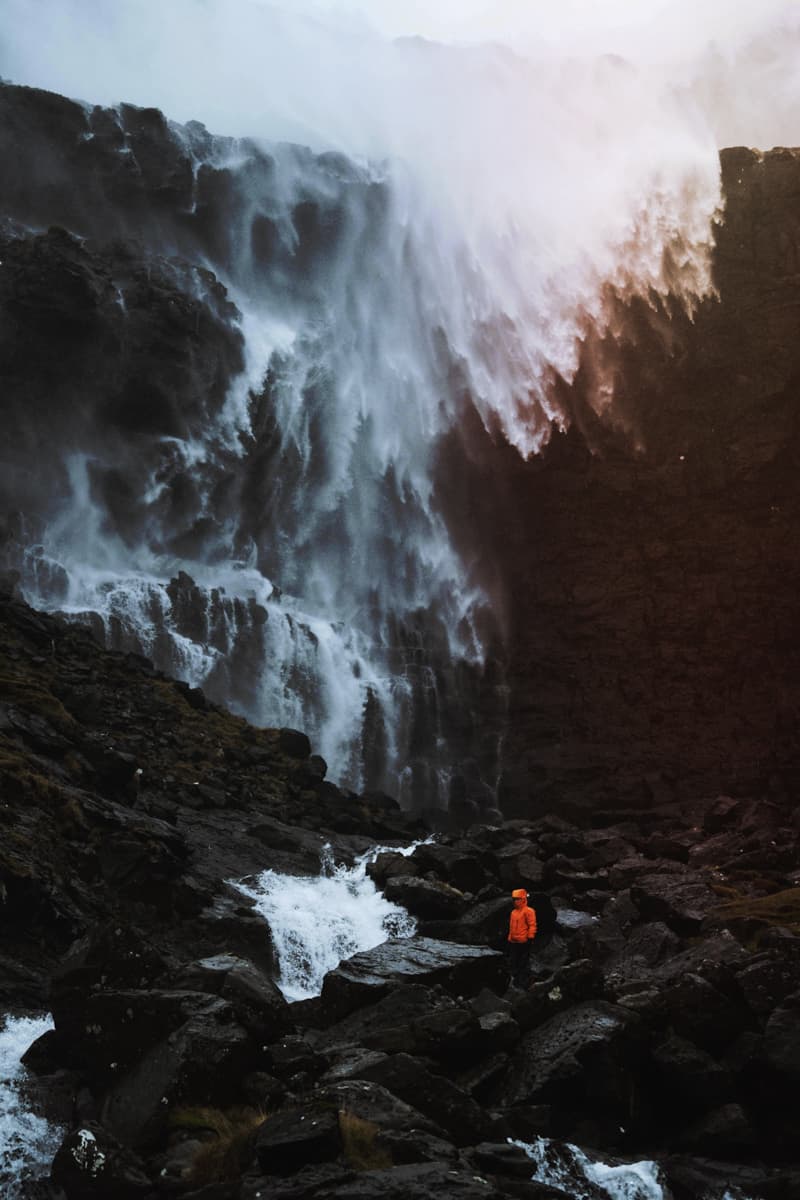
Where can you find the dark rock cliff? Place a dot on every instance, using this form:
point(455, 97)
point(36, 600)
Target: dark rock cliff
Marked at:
point(652, 567)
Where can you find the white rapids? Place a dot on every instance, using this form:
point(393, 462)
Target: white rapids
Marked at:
point(318, 920)
point(27, 1141)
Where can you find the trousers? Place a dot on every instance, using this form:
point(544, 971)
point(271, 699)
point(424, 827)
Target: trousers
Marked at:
point(519, 961)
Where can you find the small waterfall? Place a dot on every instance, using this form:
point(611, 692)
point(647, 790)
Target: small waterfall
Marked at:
point(566, 1166)
point(318, 920)
point(27, 1141)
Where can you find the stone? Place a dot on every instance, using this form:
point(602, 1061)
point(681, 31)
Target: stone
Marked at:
point(371, 1101)
point(434, 1095)
point(690, 1079)
point(425, 898)
point(592, 1042)
point(91, 1164)
point(294, 744)
point(368, 976)
point(201, 1062)
point(293, 1138)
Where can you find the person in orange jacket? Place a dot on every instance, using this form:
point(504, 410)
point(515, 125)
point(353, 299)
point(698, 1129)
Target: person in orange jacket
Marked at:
point(521, 932)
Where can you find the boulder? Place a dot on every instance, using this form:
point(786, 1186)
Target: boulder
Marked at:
point(481, 924)
point(399, 1008)
point(725, 1131)
point(390, 864)
point(257, 1001)
point(91, 1164)
point(585, 1052)
point(414, 1145)
point(680, 901)
point(201, 1062)
point(767, 979)
point(294, 744)
point(368, 976)
point(688, 1078)
point(499, 1032)
point(702, 1013)
point(467, 871)
point(434, 1095)
point(372, 1102)
point(577, 981)
point(293, 1138)
point(426, 898)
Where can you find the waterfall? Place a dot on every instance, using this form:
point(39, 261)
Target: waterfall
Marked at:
point(318, 920)
point(567, 1166)
point(269, 512)
point(27, 1141)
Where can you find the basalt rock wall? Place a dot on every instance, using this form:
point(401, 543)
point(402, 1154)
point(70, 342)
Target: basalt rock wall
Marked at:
point(651, 560)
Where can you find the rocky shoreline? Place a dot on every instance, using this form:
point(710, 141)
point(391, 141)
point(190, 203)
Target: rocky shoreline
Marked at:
point(662, 1022)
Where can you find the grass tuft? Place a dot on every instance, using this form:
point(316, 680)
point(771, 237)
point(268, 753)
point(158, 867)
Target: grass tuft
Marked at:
point(360, 1146)
point(227, 1141)
point(780, 909)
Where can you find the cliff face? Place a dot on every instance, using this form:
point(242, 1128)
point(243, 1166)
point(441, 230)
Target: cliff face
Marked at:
point(653, 572)
point(644, 566)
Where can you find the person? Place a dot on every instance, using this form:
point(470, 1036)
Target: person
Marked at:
point(521, 932)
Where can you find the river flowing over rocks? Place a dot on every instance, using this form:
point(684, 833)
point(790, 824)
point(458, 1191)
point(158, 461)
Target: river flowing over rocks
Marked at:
point(312, 650)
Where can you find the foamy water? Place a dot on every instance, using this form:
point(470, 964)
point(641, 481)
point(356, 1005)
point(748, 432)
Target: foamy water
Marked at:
point(318, 920)
point(566, 1166)
point(27, 1141)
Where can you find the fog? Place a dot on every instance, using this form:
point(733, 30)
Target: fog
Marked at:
point(542, 151)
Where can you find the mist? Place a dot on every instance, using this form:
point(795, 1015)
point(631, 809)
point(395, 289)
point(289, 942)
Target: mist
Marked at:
point(536, 166)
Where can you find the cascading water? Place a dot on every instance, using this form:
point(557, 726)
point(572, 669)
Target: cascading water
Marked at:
point(27, 1141)
point(567, 1167)
point(318, 920)
point(467, 214)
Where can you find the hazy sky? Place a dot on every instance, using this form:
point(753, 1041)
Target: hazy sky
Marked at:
point(234, 62)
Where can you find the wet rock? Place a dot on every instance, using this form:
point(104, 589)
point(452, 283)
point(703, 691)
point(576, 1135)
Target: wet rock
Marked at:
point(425, 898)
point(435, 1096)
point(724, 1131)
point(499, 1032)
point(481, 925)
point(680, 902)
point(367, 977)
point(414, 1146)
point(389, 864)
point(452, 1035)
point(294, 744)
point(593, 1041)
point(372, 1102)
point(690, 1079)
point(500, 1158)
point(465, 871)
point(92, 1165)
point(295, 1137)
point(201, 1062)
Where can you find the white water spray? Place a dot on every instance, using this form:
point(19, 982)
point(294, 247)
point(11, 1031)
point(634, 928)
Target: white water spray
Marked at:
point(567, 1167)
point(27, 1141)
point(318, 920)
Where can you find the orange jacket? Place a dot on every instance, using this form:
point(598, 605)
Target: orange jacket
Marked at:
point(522, 925)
